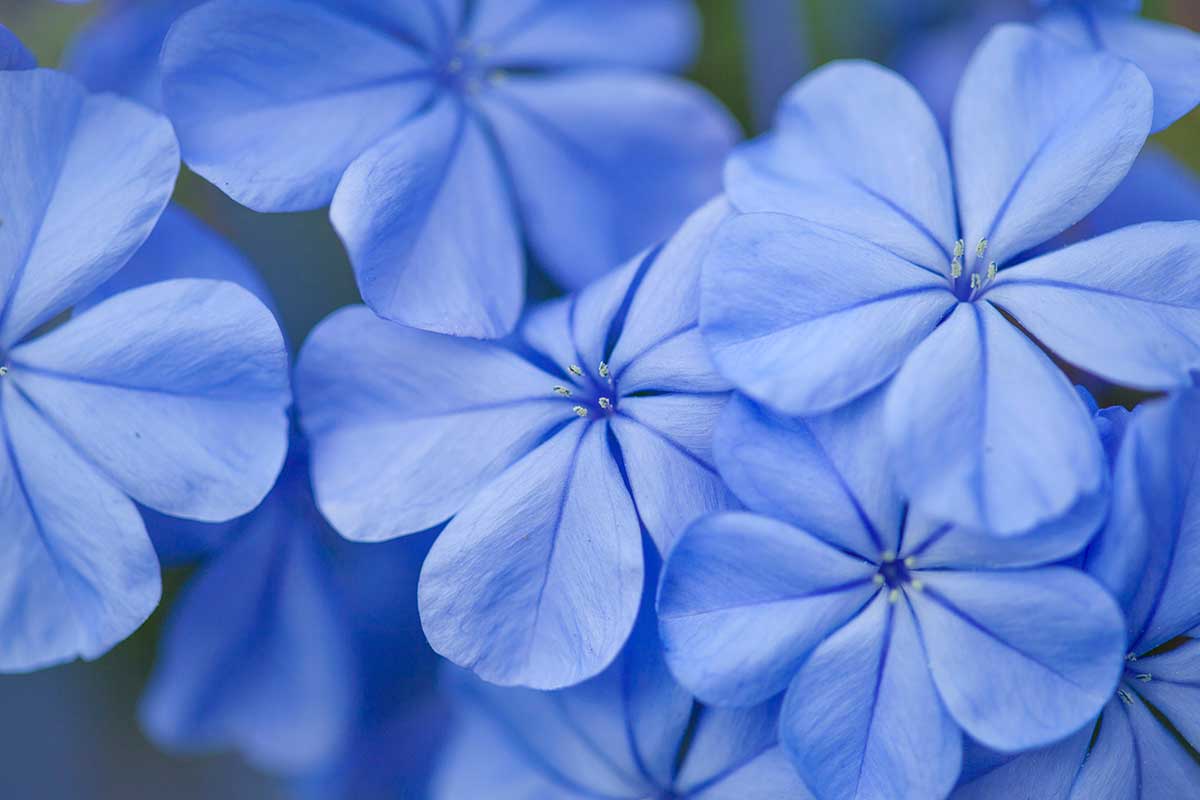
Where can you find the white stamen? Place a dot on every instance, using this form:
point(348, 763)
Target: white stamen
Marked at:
point(605, 403)
point(562, 390)
point(992, 270)
point(917, 584)
point(889, 555)
point(976, 281)
point(910, 562)
point(575, 370)
point(1145, 677)
point(894, 596)
point(580, 411)
point(455, 66)
point(603, 369)
point(960, 247)
point(877, 580)
point(981, 248)
point(1125, 698)
point(956, 268)
point(3, 371)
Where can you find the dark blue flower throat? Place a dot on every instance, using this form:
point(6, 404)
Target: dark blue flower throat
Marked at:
point(595, 397)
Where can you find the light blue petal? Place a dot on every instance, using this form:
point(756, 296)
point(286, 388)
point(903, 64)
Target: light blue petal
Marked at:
point(430, 25)
point(1121, 306)
point(1113, 767)
point(1173, 687)
point(987, 432)
point(665, 443)
point(804, 318)
point(256, 654)
point(79, 573)
point(85, 179)
point(1168, 54)
point(429, 226)
point(177, 391)
point(1046, 774)
point(652, 34)
point(605, 163)
point(831, 162)
point(814, 472)
point(1083, 118)
point(1158, 188)
point(552, 552)
point(1163, 767)
point(744, 599)
point(407, 427)
point(273, 99)
point(1049, 641)
point(13, 54)
point(862, 718)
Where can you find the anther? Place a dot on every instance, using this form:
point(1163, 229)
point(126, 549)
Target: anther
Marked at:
point(562, 390)
point(894, 596)
point(960, 247)
point(877, 580)
point(976, 281)
point(981, 248)
point(605, 403)
point(3, 371)
point(992, 270)
point(917, 584)
point(580, 411)
point(956, 268)
point(910, 562)
point(1131, 657)
point(889, 555)
point(1145, 677)
point(575, 370)
point(455, 66)
point(1125, 697)
point(604, 369)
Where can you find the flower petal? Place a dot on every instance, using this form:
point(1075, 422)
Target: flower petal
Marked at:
point(862, 716)
point(79, 571)
point(606, 163)
point(13, 54)
point(1158, 188)
point(1049, 641)
point(429, 227)
point(987, 432)
point(273, 99)
point(786, 324)
point(830, 161)
point(744, 599)
point(1050, 773)
point(552, 552)
point(407, 426)
point(1083, 118)
point(1121, 306)
point(1174, 687)
point(85, 180)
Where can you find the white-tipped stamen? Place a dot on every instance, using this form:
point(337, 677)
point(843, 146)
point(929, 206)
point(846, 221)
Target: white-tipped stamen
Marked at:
point(604, 373)
point(910, 562)
point(992, 270)
point(877, 580)
point(981, 248)
point(976, 281)
point(1125, 697)
point(956, 268)
point(894, 596)
point(3, 371)
point(960, 248)
point(917, 584)
point(1145, 677)
point(580, 411)
point(575, 370)
point(889, 555)
point(605, 403)
point(562, 390)
point(454, 66)
point(1131, 657)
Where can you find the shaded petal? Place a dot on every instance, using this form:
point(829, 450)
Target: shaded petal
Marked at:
point(1121, 306)
point(862, 717)
point(1112, 768)
point(1168, 54)
point(1049, 641)
point(986, 431)
point(1046, 774)
point(256, 654)
point(805, 318)
point(85, 180)
point(1158, 188)
point(428, 24)
point(1163, 767)
point(652, 34)
point(13, 54)
point(552, 552)
point(428, 224)
point(261, 113)
point(1174, 687)
point(832, 162)
point(744, 599)
point(79, 571)
point(178, 391)
point(407, 426)
point(665, 444)
point(1084, 117)
point(814, 472)
point(605, 163)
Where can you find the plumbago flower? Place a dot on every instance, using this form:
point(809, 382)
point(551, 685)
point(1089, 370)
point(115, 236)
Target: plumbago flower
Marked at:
point(865, 276)
point(892, 635)
point(173, 395)
point(450, 139)
point(1147, 556)
point(630, 733)
point(549, 457)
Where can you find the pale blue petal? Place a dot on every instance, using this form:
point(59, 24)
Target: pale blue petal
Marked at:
point(814, 472)
point(986, 431)
point(273, 99)
point(1046, 774)
point(79, 573)
point(552, 552)
point(862, 718)
point(85, 179)
point(406, 427)
point(1049, 641)
point(177, 391)
point(1113, 767)
point(1158, 188)
point(1173, 687)
point(805, 318)
point(1163, 767)
point(1121, 306)
point(606, 163)
point(744, 599)
point(832, 162)
point(428, 224)
point(428, 24)
point(1083, 118)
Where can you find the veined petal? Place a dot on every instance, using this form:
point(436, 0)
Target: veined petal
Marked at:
point(805, 318)
point(407, 426)
point(429, 226)
point(1046, 774)
point(1042, 132)
point(427, 25)
point(177, 391)
point(273, 99)
point(985, 431)
point(552, 553)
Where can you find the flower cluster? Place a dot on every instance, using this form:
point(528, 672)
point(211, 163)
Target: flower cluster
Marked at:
point(792, 496)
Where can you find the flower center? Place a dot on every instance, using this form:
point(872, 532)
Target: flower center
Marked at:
point(465, 68)
point(966, 284)
point(1133, 676)
point(896, 575)
point(593, 396)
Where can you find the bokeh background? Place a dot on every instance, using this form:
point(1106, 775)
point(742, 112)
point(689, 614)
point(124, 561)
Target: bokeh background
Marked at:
point(72, 732)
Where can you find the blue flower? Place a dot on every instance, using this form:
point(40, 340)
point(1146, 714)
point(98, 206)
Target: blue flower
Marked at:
point(13, 54)
point(549, 458)
point(172, 395)
point(891, 634)
point(630, 732)
point(878, 271)
point(449, 142)
point(1147, 555)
